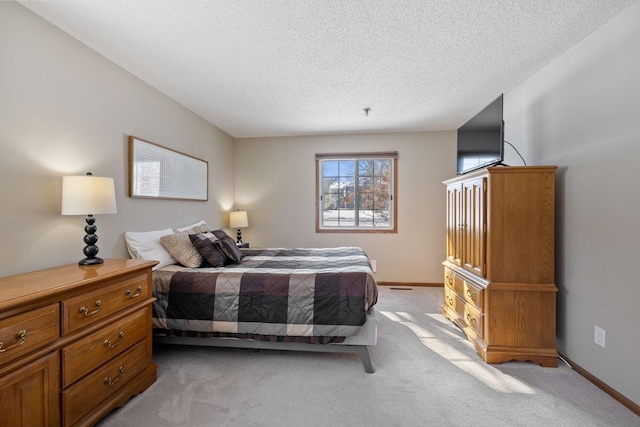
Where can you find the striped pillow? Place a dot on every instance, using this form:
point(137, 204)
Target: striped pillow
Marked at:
point(209, 247)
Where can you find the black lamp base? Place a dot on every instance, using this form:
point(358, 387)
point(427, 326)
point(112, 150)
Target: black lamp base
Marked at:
point(91, 250)
point(91, 261)
point(239, 236)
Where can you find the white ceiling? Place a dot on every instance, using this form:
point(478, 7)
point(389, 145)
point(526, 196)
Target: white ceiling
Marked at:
point(259, 68)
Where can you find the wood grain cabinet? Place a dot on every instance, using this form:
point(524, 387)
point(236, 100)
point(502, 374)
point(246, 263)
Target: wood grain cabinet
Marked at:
point(499, 270)
point(75, 342)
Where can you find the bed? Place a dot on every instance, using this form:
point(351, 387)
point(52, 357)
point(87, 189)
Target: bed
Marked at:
point(301, 299)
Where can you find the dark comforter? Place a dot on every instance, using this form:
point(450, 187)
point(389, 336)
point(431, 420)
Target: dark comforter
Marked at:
point(315, 295)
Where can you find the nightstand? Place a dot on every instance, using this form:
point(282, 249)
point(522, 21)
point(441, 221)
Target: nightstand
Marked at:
point(243, 245)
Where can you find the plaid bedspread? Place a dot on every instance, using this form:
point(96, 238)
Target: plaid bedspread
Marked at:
point(317, 294)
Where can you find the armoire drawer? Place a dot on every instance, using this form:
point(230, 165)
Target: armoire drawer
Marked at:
point(466, 289)
point(473, 294)
point(465, 311)
point(93, 350)
point(88, 393)
point(474, 319)
point(26, 332)
point(91, 307)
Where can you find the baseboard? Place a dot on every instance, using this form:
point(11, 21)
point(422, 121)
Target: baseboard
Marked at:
point(430, 285)
point(604, 387)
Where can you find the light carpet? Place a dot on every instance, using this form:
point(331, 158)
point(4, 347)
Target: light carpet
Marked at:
point(426, 374)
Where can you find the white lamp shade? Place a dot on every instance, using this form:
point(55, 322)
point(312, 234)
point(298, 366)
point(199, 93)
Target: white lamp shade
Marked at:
point(88, 195)
point(238, 219)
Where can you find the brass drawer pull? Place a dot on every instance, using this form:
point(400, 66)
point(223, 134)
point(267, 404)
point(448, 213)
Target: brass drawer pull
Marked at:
point(470, 294)
point(132, 295)
point(108, 343)
point(109, 381)
point(471, 319)
point(21, 340)
point(85, 311)
point(450, 280)
point(450, 300)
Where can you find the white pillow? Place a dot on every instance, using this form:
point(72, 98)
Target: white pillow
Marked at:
point(189, 227)
point(146, 245)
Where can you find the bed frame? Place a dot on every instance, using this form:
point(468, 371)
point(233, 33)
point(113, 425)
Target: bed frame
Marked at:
point(360, 350)
point(358, 344)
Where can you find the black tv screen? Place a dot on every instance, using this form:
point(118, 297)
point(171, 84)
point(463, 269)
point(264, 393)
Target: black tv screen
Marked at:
point(481, 139)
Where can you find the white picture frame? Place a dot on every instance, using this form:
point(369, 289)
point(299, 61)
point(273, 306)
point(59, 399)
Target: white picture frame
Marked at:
point(157, 172)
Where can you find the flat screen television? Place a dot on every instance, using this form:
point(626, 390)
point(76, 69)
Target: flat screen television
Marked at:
point(481, 139)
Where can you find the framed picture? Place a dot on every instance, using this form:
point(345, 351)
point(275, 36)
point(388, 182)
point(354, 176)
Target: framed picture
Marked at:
point(161, 173)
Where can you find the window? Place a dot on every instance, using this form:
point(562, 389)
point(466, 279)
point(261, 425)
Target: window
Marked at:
point(355, 192)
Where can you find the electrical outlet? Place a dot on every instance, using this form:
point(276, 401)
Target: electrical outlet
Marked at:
point(373, 265)
point(598, 336)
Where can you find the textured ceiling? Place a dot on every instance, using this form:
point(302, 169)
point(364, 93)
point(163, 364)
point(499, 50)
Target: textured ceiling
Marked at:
point(304, 67)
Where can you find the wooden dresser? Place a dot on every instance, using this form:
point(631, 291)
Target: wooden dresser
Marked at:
point(75, 342)
point(499, 272)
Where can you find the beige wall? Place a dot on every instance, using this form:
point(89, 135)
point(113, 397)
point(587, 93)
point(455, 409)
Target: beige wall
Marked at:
point(275, 183)
point(65, 110)
point(582, 113)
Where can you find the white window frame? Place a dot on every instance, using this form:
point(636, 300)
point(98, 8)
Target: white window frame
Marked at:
point(393, 186)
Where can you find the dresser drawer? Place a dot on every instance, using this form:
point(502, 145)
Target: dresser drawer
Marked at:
point(83, 356)
point(29, 394)
point(88, 393)
point(466, 289)
point(90, 307)
point(26, 332)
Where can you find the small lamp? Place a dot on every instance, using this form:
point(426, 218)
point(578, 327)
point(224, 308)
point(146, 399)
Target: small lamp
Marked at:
point(238, 219)
point(88, 195)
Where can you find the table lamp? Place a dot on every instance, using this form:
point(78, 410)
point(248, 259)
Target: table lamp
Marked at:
point(88, 195)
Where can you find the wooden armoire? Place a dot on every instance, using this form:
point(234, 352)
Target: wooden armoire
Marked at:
point(499, 272)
